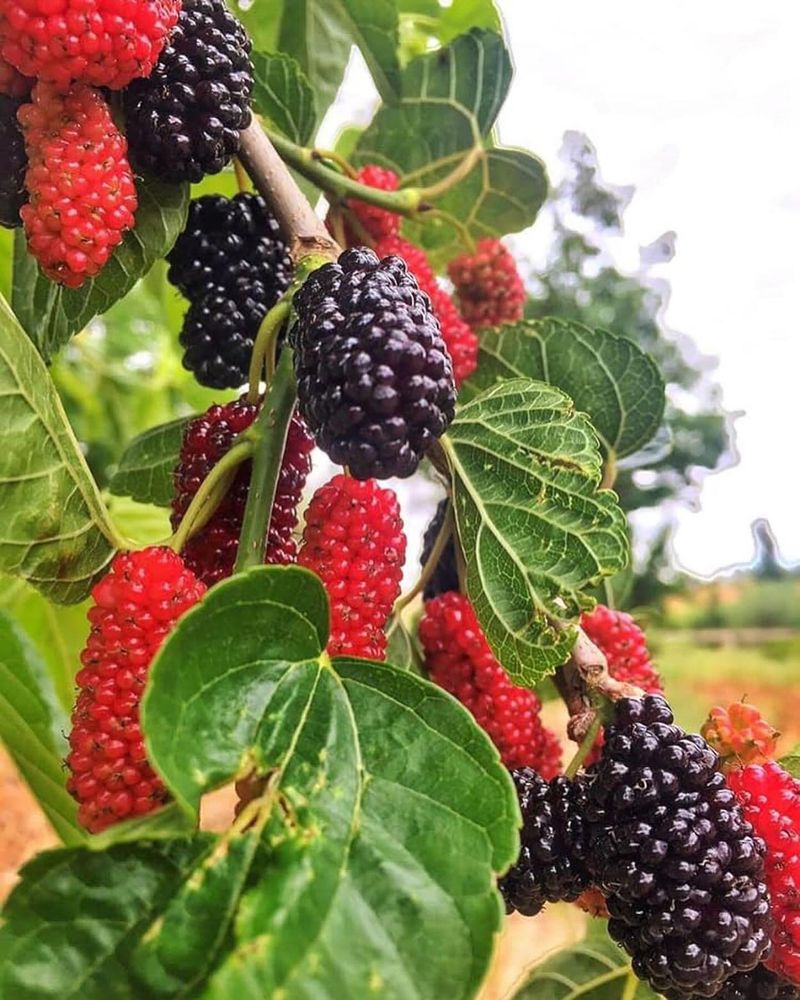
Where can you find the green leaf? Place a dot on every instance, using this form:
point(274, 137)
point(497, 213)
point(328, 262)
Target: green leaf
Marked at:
point(451, 99)
point(402, 648)
point(791, 762)
point(145, 469)
point(594, 969)
point(367, 842)
point(58, 633)
point(375, 28)
point(535, 528)
point(140, 523)
point(51, 314)
point(314, 33)
point(71, 924)
point(55, 532)
point(462, 15)
point(607, 376)
point(31, 722)
point(283, 95)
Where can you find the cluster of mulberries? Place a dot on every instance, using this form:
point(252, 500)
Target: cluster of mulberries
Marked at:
point(211, 552)
point(675, 855)
point(186, 78)
point(374, 380)
point(740, 735)
point(232, 265)
point(489, 288)
point(135, 606)
point(458, 658)
point(354, 541)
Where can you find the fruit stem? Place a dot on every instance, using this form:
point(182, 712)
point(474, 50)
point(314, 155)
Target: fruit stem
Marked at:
point(268, 434)
point(242, 181)
point(585, 747)
point(264, 353)
point(211, 492)
point(609, 471)
point(304, 232)
point(464, 234)
point(457, 174)
point(430, 563)
point(330, 154)
point(408, 202)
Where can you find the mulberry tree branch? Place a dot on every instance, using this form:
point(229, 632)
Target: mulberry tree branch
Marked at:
point(303, 230)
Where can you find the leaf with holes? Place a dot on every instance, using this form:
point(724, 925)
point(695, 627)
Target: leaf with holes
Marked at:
point(55, 533)
point(346, 749)
point(283, 95)
point(146, 467)
point(607, 376)
point(594, 969)
point(534, 525)
point(31, 727)
point(51, 314)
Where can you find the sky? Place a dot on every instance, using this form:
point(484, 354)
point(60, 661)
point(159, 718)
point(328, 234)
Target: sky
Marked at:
point(696, 104)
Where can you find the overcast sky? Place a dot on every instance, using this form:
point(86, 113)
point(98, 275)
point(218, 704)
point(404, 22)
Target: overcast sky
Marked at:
point(696, 104)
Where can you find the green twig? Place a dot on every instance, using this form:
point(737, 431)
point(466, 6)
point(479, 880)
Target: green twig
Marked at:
point(269, 433)
point(263, 356)
point(585, 747)
point(212, 490)
point(431, 562)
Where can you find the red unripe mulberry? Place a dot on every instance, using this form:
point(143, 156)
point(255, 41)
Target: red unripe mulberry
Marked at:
point(136, 605)
point(458, 658)
point(82, 194)
point(354, 542)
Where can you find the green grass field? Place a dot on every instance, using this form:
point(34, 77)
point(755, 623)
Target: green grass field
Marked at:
point(697, 677)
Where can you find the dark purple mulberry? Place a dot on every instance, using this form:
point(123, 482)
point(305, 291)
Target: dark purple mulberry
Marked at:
point(670, 848)
point(445, 576)
point(13, 164)
point(374, 380)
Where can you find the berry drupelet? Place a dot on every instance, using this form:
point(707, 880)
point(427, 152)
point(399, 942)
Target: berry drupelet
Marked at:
point(445, 575)
point(82, 194)
point(13, 164)
point(354, 542)
point(184, 120)
point(233, 266)
point(760, 984)
point(102, 43)
point(551, 864)
point(770, 798)
point(488, 285)
point(211, 553)
point(374, 381)
point(681, 867)
point(458, 658)
point(458, 336)
point(135, 606)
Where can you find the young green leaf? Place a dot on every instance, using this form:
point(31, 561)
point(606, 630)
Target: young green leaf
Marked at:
point(58, 633)
point(283, 95)
point(791, 762)
point(314, 33)
point(375, 28)
point(31, 728)
point(606, 375)
point(535, 528)
point(56, 532)
point(347, 747)
point(594, 969)
point(145, 469)
point(71, 924)
point(51, 314)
